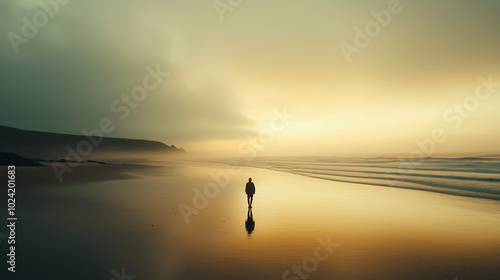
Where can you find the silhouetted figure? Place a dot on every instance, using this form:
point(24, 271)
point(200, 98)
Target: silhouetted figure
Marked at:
point(250, 191)
point(250, 223)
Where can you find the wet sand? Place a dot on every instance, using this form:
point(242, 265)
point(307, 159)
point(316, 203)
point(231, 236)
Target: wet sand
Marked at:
point(85, 230)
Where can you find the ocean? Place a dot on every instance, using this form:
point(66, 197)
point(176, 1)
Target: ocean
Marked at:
point(465, 176)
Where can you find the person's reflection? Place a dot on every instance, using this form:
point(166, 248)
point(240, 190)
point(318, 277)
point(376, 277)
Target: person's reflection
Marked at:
point(250, 223)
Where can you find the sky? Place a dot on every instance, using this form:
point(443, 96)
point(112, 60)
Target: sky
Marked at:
point(359, 77)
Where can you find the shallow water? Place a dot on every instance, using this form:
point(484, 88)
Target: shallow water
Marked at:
point(86, 231)
point(468, 176)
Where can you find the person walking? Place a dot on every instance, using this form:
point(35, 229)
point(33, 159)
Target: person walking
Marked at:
point(250, 191)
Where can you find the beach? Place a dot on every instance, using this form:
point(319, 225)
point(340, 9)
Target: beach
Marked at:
point(134, 133)
point(133, 223)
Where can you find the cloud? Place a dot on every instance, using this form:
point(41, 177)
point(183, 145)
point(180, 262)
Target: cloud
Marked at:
point(227, 75)
point(66, 77)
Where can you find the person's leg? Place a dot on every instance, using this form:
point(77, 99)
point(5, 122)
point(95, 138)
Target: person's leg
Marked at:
point(251, 200)
point(248, 199)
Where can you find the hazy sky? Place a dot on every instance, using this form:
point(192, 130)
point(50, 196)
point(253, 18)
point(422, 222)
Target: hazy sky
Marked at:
point(227, 76)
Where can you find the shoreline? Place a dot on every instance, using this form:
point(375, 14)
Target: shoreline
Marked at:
point(92, 172)
point(440, 190)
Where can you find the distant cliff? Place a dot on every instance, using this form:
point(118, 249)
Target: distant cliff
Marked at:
point(47, 145)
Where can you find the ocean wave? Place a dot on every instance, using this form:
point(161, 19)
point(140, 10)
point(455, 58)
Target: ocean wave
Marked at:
point(467, 176)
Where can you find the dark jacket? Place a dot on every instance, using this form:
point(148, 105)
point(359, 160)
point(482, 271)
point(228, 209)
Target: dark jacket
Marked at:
point(250, 188)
